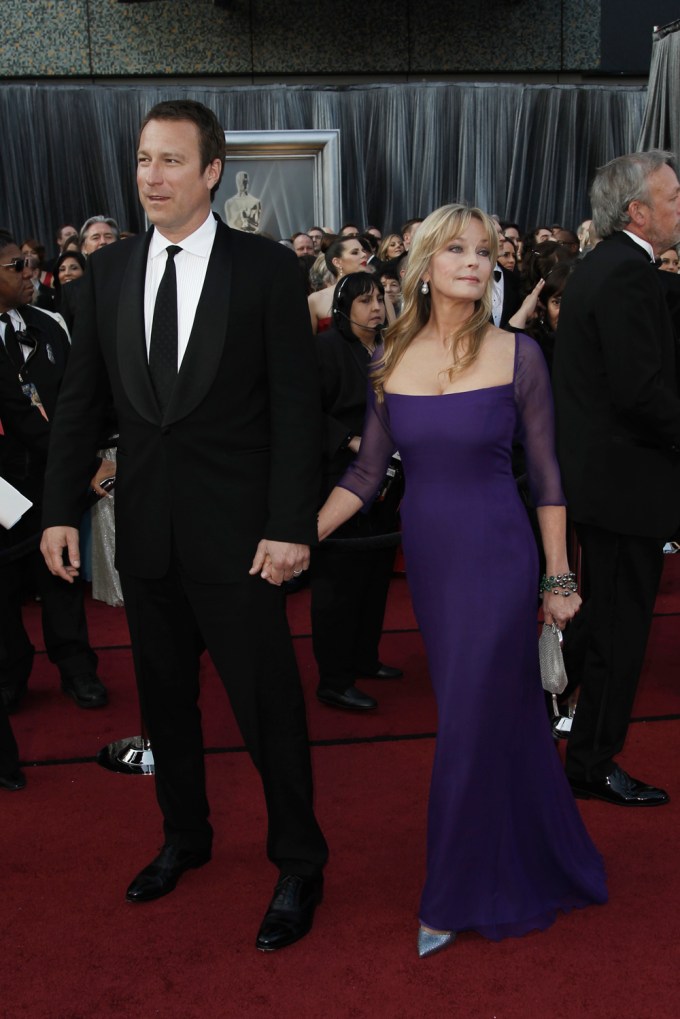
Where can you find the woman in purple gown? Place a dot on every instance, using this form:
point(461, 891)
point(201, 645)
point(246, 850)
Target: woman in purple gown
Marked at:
point(506, 847)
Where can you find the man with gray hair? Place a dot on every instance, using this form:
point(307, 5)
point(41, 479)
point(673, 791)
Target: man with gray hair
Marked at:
point(96, 232)
point(618, 440)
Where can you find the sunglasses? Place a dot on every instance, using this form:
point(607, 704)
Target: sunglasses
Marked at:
point(18, 264)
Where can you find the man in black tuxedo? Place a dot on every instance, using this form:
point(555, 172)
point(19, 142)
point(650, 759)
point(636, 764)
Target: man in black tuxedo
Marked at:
point(618, 438)
point(201, 336)
point(34, 351)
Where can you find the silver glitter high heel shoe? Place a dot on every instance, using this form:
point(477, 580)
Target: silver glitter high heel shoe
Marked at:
point(430, 942)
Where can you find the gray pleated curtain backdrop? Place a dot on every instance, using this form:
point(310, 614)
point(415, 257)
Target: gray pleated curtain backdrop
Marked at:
point(661, 123)
point(527, 153)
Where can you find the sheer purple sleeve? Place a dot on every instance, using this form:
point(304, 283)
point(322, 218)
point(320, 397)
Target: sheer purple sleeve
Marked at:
point(365, 475)
point(536, 423)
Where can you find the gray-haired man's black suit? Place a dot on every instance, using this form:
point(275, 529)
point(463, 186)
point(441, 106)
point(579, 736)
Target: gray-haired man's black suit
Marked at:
point(617, 405)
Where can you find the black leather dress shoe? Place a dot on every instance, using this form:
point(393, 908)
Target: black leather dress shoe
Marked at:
point(12, 695)
point(14, 781)
point(384, 672)
point(291, 912)
point(87, 690)
point(163, 873)
point(350, 699)
point(620, 788)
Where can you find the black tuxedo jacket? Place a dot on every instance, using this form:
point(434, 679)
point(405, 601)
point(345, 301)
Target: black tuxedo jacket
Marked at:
point(23, 447)
point(235, 457)
point(512, 297)
point(616, 392)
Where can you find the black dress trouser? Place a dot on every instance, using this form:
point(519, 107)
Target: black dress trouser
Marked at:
point(9, 754)
point(349, 593)
point(64, 622)
point(606, 648)
point(244, 627)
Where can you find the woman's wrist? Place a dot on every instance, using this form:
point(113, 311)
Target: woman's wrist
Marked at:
point(558, 583)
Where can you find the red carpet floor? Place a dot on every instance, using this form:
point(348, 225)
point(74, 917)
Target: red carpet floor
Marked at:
point(70, 843)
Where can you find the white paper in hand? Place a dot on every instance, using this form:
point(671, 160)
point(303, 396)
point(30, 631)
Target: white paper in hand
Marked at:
point(13, 504)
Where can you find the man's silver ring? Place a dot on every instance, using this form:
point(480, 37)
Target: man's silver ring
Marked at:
point(296, 573)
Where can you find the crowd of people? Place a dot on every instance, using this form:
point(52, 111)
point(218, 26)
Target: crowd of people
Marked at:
point(415, 363)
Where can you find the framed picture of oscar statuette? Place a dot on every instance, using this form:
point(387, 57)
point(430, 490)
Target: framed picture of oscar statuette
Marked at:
point(278, 183)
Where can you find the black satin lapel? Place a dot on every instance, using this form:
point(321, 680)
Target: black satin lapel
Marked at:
point(206, 342)
point(133, 363)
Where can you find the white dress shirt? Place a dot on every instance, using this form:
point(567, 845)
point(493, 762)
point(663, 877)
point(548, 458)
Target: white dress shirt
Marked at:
point(497, 296)
point(643, 244)
point(192, 264)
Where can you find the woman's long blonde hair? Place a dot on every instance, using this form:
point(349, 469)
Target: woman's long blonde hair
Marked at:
point(441, 226)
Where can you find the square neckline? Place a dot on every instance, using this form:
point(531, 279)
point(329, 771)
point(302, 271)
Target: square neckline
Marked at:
point(462, 392)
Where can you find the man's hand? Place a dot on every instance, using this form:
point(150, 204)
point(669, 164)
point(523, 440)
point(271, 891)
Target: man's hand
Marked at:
point(54, 541)
point(277, 561)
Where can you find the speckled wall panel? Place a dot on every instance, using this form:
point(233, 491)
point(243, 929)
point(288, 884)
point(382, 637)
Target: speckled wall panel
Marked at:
point(179, 37)
point(43, 37)
point(292, 37)
point(330, 37)
point(581, 27)
point(492, 34)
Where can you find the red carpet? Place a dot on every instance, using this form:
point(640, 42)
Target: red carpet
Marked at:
point(70, 843)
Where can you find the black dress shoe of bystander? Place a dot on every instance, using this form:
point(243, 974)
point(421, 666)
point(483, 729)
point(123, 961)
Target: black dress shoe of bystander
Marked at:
point(163, 873)
point(621, 789)
point(291, 912)
point(350, 699)
point(383, 672)
point(12, 695)
point(87, 691)
point(14, 781)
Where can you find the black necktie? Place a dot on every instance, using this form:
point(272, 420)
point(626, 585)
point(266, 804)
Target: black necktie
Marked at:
point(163, 345)
point(12, 345)
point(497, 275)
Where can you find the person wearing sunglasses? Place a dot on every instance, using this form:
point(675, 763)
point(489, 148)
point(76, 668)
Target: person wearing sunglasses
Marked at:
point(34, 349)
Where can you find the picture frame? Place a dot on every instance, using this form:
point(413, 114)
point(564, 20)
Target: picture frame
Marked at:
point(279, 183)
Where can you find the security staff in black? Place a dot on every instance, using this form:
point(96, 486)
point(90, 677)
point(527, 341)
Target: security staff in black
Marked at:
point(34, 349)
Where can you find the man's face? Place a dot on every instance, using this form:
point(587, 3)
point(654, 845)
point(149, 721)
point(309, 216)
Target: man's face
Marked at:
point(317, 237)
point(173, 189)
point(66, 231)
point(16, 288)
point(98, 235)
point(565, 240)
point(302, 245)
point(410, 234)
point(660, 218)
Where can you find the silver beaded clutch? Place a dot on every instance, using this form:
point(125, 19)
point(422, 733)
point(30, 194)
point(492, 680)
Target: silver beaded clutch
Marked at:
point(553, 673)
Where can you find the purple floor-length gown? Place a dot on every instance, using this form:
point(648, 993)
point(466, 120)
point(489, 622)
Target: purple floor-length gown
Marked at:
point(506, 844)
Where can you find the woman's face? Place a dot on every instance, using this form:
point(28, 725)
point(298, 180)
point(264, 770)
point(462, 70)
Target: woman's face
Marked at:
point(28, 252)
point(368, 311)
point(352, 259)
point(69, 270)
point(395, 246)
point(669, 260)
point(506, 255)
point(392, 289)
point(553, 311)
point(460, 270)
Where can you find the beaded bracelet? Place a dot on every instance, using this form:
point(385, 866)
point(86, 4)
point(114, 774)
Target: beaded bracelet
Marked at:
point(563, 583)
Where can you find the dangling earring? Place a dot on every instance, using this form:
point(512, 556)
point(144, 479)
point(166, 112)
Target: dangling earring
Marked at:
point(340, 273)
point(425, 288)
